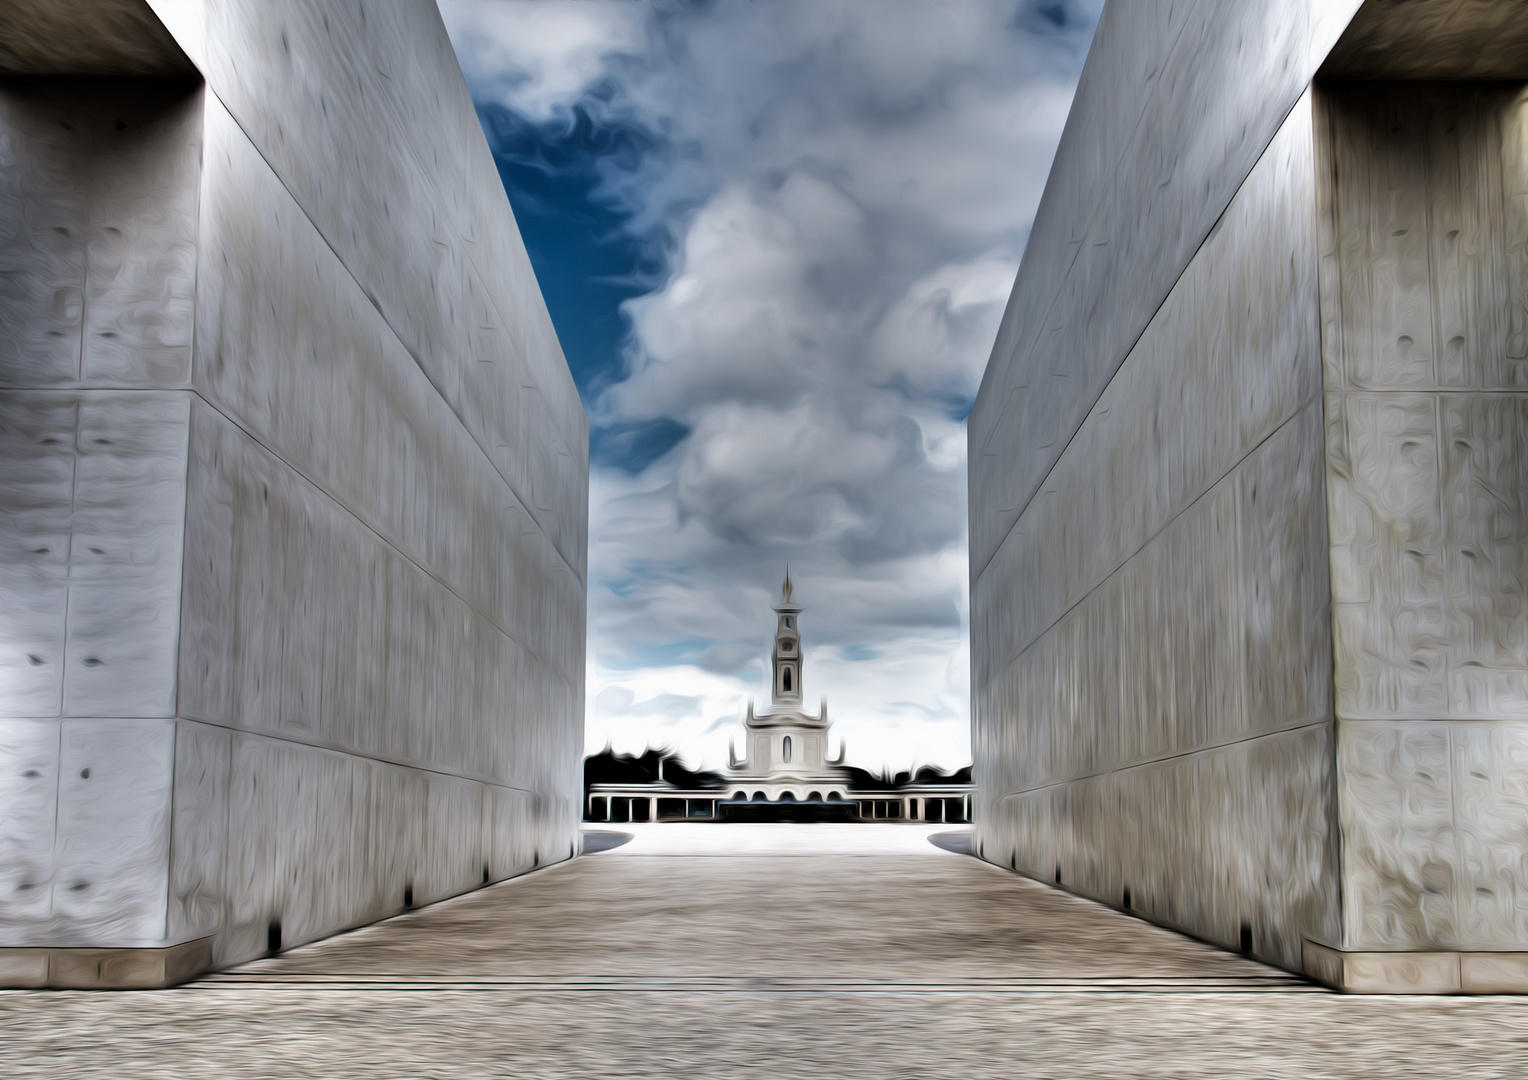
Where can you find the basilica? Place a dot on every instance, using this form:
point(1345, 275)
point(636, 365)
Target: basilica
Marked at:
point(785, 772)
point(787, 747)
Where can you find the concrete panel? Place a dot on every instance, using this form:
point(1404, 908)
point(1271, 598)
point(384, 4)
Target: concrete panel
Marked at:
point(424, 228)
point(97, 233)
point(1174, 108)
point(1248, 824)
point(508, 844)
point(1390, 972)
point(93, 551)
point(198, 827)
point(145, 164)
point(1213, 632)
point(128, 520)
point(126, 969)
point(382, 833)
point(1399, 847)
point(449, 856)
point(1426, 481)
point(115, 779)
point(294, 465)
point(43, 216)
point(87, 37)
point(1151, 636)
point(1229, 357)
point(317, 630)
point(1484, 495)
point(291, 348)
point(1490, 802)
point(1285, 610)
point(24, 968)
point(1425, 486)
point(294, 810)
point(1402, 973)
point(1389, 627)
point(1432, 39)
point(305, 625)
point(36, 491)
point(1156, 586)
point(29, 793)
point(1430, 288)
point(1494, 973)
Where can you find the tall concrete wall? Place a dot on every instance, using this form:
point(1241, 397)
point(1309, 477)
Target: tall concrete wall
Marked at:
point(294, 491)
point(1426, 342)
point(1246, 495)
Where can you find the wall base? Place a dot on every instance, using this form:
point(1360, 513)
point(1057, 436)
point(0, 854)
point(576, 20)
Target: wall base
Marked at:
point(1417, 972)
point(104, 969)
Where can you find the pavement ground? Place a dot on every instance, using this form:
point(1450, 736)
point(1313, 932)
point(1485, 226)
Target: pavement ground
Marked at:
point(721, 950)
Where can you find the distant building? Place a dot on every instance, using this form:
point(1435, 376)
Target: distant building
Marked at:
point(786, 773)
point(786, 748)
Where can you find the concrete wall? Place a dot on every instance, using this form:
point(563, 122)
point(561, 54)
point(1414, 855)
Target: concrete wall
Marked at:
point(1239, 541)
point(294, 493)
point(1426, 342)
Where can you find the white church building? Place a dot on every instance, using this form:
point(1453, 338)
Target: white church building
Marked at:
point(786, 748)
point(785, 771)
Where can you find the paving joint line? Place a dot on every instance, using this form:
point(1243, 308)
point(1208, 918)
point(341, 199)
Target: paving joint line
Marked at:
point(1166, 985)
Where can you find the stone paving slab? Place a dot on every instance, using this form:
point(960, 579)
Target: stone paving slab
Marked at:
point(767, 901)
point(228, 1032)
point(760, 951)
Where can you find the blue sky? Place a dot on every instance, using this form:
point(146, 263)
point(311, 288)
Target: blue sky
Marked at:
point(776, 238)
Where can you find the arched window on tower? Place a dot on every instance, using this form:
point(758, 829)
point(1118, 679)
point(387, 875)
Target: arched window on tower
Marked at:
point(785, 750)
point(785, 680)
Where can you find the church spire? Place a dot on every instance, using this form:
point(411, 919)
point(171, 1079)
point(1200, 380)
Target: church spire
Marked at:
point(787, 658)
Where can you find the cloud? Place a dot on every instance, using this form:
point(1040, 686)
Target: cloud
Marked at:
point(840, 191)
point(540, 58)
point(930, 343)
point(756, 310)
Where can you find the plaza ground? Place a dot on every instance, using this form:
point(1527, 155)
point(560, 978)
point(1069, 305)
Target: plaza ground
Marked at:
point(709, 951)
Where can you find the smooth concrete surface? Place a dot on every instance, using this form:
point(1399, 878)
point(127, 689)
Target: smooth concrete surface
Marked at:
point(699, 950)
point(1418, 972)
point(105, 969)
point(1175, 106)
point(724, 903)
point(1152, 668)
point(292, 506)
point(90, 37)
point(1432, 39)
point(1250, 654)
point(1426, 389)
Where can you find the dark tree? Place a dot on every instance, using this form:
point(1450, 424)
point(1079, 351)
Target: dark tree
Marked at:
point(608, 767)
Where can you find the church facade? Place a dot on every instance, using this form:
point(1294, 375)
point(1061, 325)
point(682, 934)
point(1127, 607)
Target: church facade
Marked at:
point(785, 772)
point(786, 747)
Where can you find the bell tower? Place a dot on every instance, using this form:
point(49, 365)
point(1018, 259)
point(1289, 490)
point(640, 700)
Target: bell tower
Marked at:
point(787, 746)
point(787, 659)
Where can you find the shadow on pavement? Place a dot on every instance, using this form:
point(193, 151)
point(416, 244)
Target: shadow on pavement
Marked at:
point(958, 842)
point(596, 842)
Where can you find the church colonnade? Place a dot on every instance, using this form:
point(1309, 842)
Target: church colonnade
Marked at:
point(641, 803)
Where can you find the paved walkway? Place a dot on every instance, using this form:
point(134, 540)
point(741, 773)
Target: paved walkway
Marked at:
point(720, 951)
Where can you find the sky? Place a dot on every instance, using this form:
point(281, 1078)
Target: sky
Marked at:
point(776, 238)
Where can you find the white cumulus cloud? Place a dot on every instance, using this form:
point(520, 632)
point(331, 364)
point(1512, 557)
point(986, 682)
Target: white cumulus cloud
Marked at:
point(843, 189)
